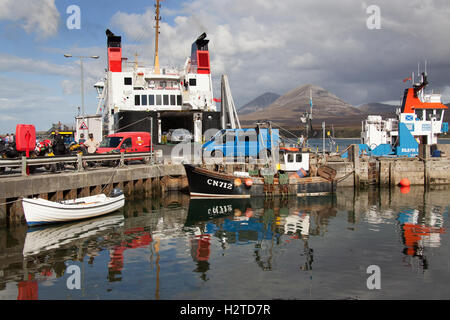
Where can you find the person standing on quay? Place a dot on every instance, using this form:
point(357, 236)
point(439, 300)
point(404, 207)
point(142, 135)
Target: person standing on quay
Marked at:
point(91, 144)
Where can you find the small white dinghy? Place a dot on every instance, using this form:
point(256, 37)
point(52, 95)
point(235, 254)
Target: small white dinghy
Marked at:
point(40, 211)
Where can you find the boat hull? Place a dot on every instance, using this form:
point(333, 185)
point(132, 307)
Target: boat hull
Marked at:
point(41, 211)
point(209, 184)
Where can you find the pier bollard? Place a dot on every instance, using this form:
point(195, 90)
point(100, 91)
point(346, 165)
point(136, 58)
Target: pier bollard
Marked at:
point(24, 166)
point(80, 162)
point(122, 160)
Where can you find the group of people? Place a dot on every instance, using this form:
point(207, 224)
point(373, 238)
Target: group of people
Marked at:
point(59, 148)
point(9, 138)
point(91, 144)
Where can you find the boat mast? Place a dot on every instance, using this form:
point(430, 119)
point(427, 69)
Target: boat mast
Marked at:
point(157, 18)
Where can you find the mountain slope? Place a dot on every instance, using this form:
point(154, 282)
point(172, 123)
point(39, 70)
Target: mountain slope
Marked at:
point(259, 103)
point(376, 108)
point(288, 108)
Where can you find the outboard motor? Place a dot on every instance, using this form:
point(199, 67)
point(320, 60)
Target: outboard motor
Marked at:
point(116, 192)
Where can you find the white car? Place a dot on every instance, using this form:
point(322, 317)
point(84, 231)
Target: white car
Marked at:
point(179, 135)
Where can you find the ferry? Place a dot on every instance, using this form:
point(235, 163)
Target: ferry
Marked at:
point(157, 99)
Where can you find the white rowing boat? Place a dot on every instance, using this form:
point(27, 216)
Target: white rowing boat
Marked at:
point(40, 211)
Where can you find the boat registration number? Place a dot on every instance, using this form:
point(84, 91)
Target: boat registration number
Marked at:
point(220, 184)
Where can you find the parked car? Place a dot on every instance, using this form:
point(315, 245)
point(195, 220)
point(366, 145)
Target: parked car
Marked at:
point(179, 135)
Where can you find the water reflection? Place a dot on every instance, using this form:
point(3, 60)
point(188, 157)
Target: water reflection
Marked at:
point(198, 240)
point(259, 223)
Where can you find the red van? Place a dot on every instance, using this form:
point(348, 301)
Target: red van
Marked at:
point(128, 142)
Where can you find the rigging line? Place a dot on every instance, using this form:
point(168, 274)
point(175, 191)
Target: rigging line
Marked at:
point(134, 123)
point(10, 202)
point(284, 129)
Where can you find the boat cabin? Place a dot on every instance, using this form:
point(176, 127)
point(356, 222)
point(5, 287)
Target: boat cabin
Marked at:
point(293, 160)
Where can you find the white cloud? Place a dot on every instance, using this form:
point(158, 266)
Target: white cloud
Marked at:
point(38, 16)
point(11, 63)
point(276, 46)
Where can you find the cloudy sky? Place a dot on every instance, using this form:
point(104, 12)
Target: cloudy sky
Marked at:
point(262, 45)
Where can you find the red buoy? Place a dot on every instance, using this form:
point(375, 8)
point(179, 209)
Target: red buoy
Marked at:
point(405, 182)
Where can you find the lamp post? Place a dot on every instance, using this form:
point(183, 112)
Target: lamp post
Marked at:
point(82, 78)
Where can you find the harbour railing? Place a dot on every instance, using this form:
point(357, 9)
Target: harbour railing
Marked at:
point(79, 161)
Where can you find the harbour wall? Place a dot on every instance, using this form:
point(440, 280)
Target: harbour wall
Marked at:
point(389, 171)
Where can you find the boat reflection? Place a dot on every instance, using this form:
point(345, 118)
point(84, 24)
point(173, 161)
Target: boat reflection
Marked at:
point(48, 250)
point(421, 229)
point(266, 225)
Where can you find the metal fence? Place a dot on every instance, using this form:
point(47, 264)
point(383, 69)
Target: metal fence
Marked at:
point(79, 161)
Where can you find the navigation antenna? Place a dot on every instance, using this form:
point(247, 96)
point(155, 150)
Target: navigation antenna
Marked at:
point(158, 19)
point(307, 117)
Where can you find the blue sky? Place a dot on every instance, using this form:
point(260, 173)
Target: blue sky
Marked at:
point(262, 45)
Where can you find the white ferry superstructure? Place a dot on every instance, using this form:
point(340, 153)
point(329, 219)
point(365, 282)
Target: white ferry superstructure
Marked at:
point(157, 99)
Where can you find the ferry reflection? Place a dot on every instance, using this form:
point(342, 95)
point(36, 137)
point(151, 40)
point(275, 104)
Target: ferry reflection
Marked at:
point(268, 224)
point(419, 230)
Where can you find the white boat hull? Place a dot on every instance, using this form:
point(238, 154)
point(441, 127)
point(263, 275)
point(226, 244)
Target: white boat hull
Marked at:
point(41, 211)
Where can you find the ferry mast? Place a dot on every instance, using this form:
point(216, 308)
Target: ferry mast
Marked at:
point(158, 19)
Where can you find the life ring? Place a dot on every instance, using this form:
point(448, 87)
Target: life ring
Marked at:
point(289, 149)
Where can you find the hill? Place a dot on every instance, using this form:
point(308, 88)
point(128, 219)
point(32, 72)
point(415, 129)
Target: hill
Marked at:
point(259, 103)
point(376, 108)
point(288, 108)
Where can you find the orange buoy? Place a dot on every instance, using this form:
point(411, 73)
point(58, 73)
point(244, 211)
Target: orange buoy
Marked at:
point(237, 182)
point(248, 182)
point(405, 182)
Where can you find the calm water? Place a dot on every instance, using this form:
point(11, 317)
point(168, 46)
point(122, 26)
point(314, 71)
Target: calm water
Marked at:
point(311, 248)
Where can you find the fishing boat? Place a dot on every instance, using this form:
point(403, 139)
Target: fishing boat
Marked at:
point(204, 183)
point(39, 211)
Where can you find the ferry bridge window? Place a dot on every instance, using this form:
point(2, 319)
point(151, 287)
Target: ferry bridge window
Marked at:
point(429, 115)
point(144, 100)
point(127, 81)
point(193, 82)
point(166, 99)
point(179, 100)
point(137, 100)
point(151, 99)
point(172, 99)
point(298, 158)
point(158, 100)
